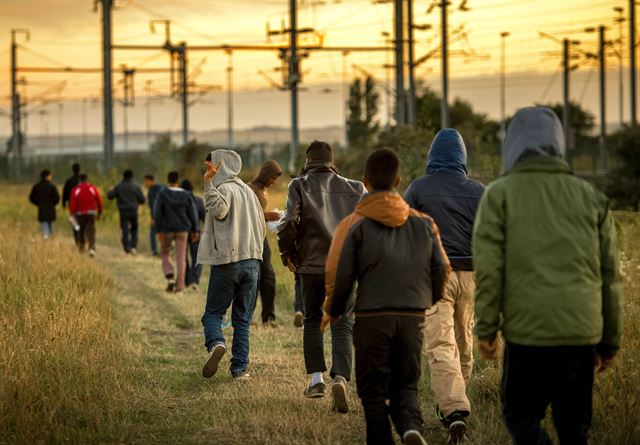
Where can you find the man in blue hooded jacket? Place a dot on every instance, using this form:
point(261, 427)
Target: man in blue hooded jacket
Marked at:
point(451, 199)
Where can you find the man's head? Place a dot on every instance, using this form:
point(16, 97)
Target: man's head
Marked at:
point(45, 175)
point(319, 151)
point(127, 174)
point(149, 180)
point(187, 185)
point(533, 131)
point(84, 177)
point(75, 168)
point(382, 171)
point(173, 178)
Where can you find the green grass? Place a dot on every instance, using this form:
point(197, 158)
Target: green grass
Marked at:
point(97, 352)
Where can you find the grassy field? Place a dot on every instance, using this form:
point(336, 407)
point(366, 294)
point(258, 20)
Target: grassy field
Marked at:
point(94, 351)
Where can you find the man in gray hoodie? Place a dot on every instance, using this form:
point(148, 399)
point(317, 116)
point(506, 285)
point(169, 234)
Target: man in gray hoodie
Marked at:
point(232, 243)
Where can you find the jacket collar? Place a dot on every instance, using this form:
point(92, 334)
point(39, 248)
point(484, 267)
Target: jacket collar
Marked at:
point(550, 164)
point(319, 166)
point(388, 208)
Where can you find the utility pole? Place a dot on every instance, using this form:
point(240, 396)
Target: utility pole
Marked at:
point(632, 61)
point(84, 125)
point(107, 80)
point(444, 107)
point(399, 47)
point(566, 120)
point(148, 110)
point(603, 104)
point(503, 100)
point(412, 108)
point(230, 99)
point(620, 20)
point(182, 53)
point(293, 79)
point(387, 80)
point(16, 139)
point(345, 98)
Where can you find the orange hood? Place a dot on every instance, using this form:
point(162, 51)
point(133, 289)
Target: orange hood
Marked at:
point(388, 208)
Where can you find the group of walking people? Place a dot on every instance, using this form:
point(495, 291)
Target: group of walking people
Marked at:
point(533, 256)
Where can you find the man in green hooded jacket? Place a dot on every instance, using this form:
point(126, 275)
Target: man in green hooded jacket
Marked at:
point(548, 277)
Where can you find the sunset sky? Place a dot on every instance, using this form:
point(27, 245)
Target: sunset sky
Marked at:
point(67, 33)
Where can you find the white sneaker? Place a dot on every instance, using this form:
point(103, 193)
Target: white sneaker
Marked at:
point(242, 377)
point(413, 437)
point(92, 253)
point(133, 251)
point(211, 365)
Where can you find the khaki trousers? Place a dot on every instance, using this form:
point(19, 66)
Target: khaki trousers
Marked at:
point(449, 343)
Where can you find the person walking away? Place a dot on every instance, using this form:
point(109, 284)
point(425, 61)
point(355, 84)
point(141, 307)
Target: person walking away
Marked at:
point(194, 270)
point(174, 216)
point(548, 277)
point(69, 184)
point(232, 243)
point(267, 177)
point(376, 246)
point(85, 205)
point(128, 196)
point(152, 193)
point(448, 196)
point(45, 196)
point(317, 201)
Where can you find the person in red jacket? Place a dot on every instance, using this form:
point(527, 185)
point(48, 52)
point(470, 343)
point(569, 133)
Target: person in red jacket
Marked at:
point(85, 205)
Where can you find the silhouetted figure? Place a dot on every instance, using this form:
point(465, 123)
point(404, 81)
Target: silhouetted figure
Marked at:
point(45, 196)
point(129, 196)
point(152, 193)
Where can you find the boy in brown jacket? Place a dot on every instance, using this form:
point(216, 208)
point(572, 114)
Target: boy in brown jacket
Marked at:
point(375, 246)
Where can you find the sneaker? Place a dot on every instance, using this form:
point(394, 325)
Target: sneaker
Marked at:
point(179, 291)
point(92, 253)
point(339, 390)
point(413, 437)
point(133, 251)
point(194, 286)
point(171, 285)
point(241, 377)
point(456, 424)
point(298, 319)
point(211, 365)
point(316, 391)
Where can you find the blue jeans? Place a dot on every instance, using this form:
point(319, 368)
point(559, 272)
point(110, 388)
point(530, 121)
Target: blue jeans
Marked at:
point(46, 229)
point(129, 229)
point(231, 285)
point(153, 241)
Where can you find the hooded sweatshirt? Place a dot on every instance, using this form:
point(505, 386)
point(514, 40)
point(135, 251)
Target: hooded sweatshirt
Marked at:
point(175, 211)
point(545, 250)
point(234, 226)
point(259, 183)
point(448, 196)
point(376, 246)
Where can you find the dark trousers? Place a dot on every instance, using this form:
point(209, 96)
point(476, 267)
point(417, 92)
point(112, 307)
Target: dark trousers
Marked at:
point(129, 229)
point(534, 378)
point(153, 242)
point(298, 304)
point(87, 232)
point(388, 357)
point(194, 270)
point(313, 294)
point(267, 285)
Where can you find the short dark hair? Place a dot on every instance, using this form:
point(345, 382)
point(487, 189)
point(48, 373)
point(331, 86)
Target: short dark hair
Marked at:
point(382, 169)
point(127, 174)
point(149, 177)
point(44, 173)
point(173, 177)
point(187, 185)
point(75, 168)
point(208, 158)
point(319, 151)
point(84, 177)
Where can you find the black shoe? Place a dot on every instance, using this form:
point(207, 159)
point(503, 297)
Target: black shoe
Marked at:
point(316, 391)
point(298, 319)
point(456, 424)
point(339, 390)
point(171, 285)
point(211, 365)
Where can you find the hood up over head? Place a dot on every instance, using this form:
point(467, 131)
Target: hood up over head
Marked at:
point(388, 208)
point(230, 166)
point(268, 170)
point(447, 153)
point(533, 131)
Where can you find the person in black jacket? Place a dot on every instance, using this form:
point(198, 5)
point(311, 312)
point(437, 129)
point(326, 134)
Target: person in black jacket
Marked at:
point(45, 195)
point(397, 282)
point(129, 196)
point(69, 184)
point(317, 201)
point(194, 270)
point(153, 189)
point(175, 216)
point(451, 199)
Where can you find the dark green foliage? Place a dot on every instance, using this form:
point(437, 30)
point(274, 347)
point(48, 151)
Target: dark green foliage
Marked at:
point(623, 184)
